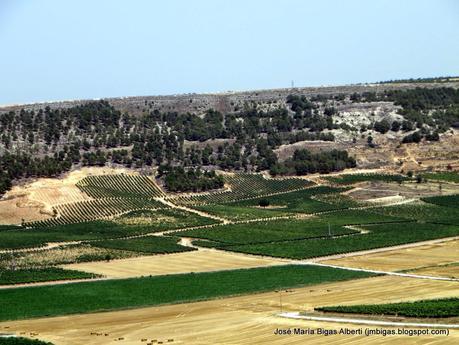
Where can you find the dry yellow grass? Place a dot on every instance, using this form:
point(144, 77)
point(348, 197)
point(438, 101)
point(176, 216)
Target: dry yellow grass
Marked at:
point(451, 271)
point(403, 259)
point(239, 320)
point(197, 261)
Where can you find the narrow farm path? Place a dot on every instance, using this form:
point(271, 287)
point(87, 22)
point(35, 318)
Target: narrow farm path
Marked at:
point(191, 210)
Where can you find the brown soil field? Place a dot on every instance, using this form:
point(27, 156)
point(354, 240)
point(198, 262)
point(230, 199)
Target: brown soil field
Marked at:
point(198, 261)
point(33, 200)
point(404, 259)
point(248, 319)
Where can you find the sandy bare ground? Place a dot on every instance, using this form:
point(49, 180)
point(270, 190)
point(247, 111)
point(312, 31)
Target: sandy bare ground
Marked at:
point(35, 199)
point(197, 261)
point(240, 320)
point(403, 259)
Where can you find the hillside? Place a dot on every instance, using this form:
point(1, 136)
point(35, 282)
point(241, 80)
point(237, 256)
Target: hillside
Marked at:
point(398, 126)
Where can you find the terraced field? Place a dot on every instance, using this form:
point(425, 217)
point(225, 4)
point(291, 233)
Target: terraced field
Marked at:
point(116, 186)
point(310, 200)
point(246, 186)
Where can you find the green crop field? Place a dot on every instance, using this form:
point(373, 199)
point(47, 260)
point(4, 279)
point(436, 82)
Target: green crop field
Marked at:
point(88, 210)
point(125, 186)
point(22, 303)
point(129, 224)
point(447, 176)
point(33, 275)
point(307, 238)
point(426, 212)
point(269, 231)
point(246, 186)
point(447, 200)
point(355, 178)
point(378, 236)
point(147, 245)
point(302, 201)
point(436, 308)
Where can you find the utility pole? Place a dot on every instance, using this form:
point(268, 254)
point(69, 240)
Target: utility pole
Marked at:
point(329, 229)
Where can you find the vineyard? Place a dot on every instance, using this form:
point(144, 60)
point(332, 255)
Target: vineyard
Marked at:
point(165, 219)
point(246, 186)
point(446, 176)
point(282, 230)
point(119, 186)
point(437, 308)
point(334, 232)
point(310, 200)
point(83, 211)
point(146, 245)
point(447, 200)
point(149, 291)
point(109, 196)
point(422, 212)
point(33, 275)
point(373, 237)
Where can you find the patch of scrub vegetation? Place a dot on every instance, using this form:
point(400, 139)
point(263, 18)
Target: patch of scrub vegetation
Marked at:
point(422, 212)
point(24, 238)
point(163, 219)
point(148, 244)
point(374, 236)
point(22, 303)
point(60, 256)
point(21, 341)
point(348, 179)
point(34, 275)
point(436, 308)
point(302, 201)
point(447, 176)
point(235, 212)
